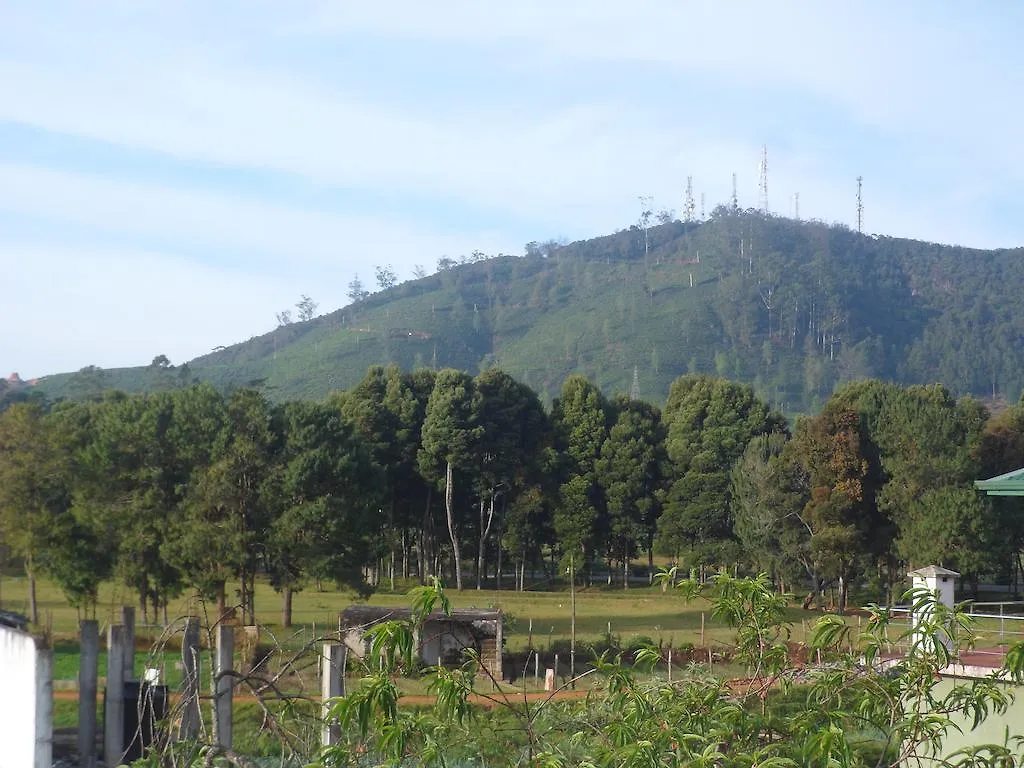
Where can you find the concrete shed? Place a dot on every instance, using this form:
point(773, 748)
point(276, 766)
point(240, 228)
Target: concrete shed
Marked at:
point(442, 639)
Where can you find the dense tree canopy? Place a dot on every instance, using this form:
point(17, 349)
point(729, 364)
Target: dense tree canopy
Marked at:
point(422, 474)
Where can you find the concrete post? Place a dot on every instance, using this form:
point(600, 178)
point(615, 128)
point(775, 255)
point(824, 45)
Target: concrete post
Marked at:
point(189, 727)
point(332, 682)
point(113, 711)
point(88, 674)
point(549, 679)
point(44, 707)
point(128, 620)
point(223, 685)
point(499, 651)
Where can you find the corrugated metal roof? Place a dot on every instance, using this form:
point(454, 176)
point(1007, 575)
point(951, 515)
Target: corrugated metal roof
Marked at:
point(1009, 484)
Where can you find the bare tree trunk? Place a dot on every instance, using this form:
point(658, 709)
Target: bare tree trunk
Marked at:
point(485, 531)
point(426, 544)
point(221, 601)
point(452, 530)
point(33, 605)
point(286, 609)
point(497, 573)
point(405, 553)
point(252, 598)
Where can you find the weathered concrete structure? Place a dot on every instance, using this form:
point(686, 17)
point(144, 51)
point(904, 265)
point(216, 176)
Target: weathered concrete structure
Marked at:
point(332, 685)
point(443, 638)
point(26, 699)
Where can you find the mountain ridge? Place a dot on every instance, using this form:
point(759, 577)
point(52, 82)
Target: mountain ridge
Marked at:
point(792, 308)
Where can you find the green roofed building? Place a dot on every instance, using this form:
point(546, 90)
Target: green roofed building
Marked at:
point(1010, 484)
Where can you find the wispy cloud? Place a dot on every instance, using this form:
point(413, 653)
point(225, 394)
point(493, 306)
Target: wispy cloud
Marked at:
point(316, 138)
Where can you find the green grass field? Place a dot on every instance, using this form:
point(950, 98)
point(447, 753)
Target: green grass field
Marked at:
point(628, 613)
point(630, 616)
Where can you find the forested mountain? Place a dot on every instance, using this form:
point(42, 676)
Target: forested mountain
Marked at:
point(792, 308)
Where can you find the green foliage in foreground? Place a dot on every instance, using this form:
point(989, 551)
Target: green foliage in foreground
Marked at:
point(846, 712)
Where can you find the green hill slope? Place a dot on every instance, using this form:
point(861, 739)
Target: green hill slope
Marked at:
point(791, 307)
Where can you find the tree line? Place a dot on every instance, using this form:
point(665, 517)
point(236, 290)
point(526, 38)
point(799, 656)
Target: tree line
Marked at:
point(412, 474)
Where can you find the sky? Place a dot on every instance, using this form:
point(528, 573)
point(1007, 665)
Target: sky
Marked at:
point(174, 174)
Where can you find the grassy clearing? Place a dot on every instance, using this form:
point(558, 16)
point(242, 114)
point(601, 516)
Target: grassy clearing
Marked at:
point(631, 613)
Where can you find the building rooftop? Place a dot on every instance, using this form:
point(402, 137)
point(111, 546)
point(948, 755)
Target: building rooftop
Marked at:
point(1008, 484)
point(932, 570)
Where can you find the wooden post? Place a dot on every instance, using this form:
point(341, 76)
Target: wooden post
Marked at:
point(332, 685)
point(549, 680)
point(670, 665)
point(189, 726)
point(88, 674)
point(224, 683)
point(536, 668)
point(702, 630)
point(113, 711)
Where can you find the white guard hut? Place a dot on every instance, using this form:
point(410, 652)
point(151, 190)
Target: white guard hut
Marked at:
point(937, 580)
point(940, 582)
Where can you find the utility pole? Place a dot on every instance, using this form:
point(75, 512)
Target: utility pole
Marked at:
point(572, 631)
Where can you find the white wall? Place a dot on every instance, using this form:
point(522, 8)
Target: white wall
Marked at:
point(26, 701)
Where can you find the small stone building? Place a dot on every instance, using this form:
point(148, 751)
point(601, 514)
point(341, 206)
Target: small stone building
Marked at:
point(442, 639)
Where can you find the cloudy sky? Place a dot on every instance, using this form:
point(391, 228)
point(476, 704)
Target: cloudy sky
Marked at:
point(172, 174)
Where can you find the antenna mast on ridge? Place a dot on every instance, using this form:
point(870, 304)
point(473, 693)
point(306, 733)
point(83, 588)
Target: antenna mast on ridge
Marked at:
point(689, 207)
point(735, 197)
point(634, 391)
point(762, 186)
point(702, 206)
point(860, 205)
point(796, 206)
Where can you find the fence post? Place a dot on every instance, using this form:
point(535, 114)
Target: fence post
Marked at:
point(128, 621)
point(1002, 625)
point(88, 673)
point(113, 710)
point(332, 685)
point(224, 683)
point(190, 679)
point(702, 629)
point(670, 665)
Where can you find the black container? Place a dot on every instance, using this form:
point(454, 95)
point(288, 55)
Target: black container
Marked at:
point(145, 705)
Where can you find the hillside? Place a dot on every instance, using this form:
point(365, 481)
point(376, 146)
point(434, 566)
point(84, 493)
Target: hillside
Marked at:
point(791, 307)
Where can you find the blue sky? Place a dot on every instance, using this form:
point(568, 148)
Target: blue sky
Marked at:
point(174, 174)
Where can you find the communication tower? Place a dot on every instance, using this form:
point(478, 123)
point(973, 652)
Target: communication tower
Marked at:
point(735, 197)
point(702, 206)
point(689, 207)
point(796, 206)
point(860, 205)
point(634, 390)
point(762, 170)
